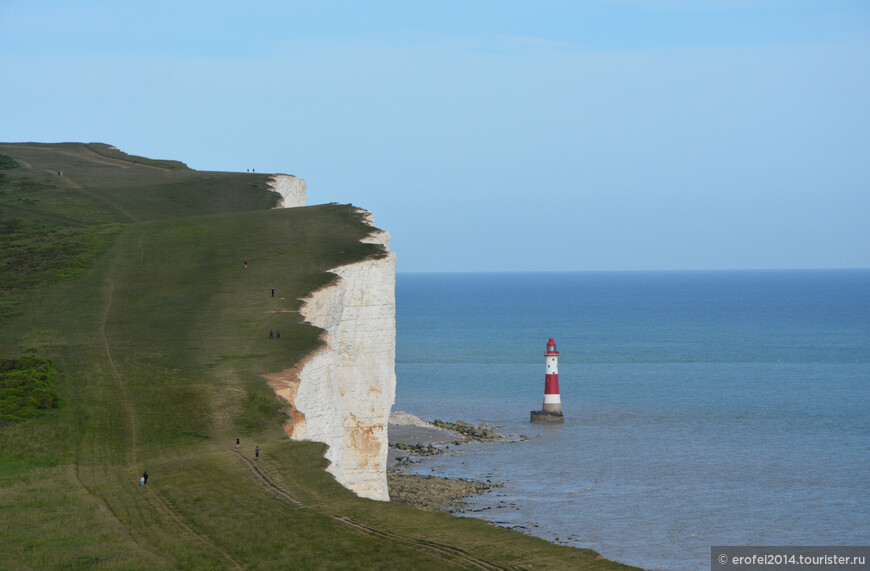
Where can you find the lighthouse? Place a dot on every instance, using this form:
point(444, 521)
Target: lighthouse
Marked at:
point(552, 409)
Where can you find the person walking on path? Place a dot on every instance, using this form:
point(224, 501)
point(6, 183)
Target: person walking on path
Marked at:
point(277, 334)
point(273, 292)
point(271, 335)
point(238, 442)
point(144, 479)
point(246, 264)
point(257, 452)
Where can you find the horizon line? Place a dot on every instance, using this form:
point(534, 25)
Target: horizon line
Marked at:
point(718, 270)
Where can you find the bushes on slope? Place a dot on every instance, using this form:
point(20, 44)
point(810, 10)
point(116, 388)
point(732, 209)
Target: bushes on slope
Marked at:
point(27, 388)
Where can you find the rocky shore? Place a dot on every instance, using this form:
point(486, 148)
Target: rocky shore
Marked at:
point(432, 493)
point(411, 439)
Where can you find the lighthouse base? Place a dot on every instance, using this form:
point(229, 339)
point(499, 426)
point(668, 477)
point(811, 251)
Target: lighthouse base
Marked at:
point(546, 417)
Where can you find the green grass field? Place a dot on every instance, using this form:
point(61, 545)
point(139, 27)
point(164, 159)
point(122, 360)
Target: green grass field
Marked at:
point(126, 273)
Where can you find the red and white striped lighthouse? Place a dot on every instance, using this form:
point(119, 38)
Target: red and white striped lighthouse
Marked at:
point(552, 409)
point(552, 401)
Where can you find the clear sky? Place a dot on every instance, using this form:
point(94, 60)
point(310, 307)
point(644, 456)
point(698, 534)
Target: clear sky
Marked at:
point(489, 136)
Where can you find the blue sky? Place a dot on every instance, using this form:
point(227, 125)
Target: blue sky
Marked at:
point(489, 136)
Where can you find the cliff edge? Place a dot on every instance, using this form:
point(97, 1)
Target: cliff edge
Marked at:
point(343, 392)
point(291, 188)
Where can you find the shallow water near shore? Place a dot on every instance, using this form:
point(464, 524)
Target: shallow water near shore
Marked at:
point(701, 408)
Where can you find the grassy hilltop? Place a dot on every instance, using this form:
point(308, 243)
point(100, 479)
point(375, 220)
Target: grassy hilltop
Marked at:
point(132, 338)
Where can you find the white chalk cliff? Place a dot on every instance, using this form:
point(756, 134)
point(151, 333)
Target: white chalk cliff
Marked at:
point(291, 189)
point(342, 394)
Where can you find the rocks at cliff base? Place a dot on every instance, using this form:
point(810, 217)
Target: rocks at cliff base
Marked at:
point(419, 449)
point(470, 431)
point(433, 493)
point(412, 439)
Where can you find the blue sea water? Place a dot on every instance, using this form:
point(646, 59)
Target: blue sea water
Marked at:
point(701, 408)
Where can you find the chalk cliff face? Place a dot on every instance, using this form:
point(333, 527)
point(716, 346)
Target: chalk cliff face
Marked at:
point(342, 394)
point(291, 189)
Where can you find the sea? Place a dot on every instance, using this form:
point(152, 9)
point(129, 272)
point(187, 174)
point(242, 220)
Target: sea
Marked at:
point(701, 408)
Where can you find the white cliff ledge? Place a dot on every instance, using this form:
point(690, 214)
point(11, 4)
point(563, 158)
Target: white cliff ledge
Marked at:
point(291, 189)
point(343, 392)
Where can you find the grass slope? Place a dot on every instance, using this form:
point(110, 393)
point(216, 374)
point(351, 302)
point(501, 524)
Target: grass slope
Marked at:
point(160, 337)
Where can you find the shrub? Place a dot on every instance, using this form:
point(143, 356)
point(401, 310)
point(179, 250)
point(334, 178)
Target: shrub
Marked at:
point(27, 388)
point(7, 163)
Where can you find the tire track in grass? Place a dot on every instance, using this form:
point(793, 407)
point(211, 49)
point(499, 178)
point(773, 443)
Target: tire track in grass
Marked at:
point(453, 554)
point(84, 474)
point(104, 199)
point(170, 513)
point(158, 503)
point(126, 403)
point(141, 250)
point(74, 475)
point(267, 482)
